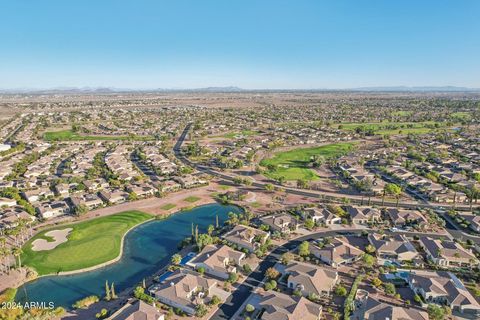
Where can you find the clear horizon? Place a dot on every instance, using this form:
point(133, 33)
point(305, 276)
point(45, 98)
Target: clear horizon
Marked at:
point(247, 44)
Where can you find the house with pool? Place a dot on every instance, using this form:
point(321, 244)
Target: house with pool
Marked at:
point(395, 249)
point(218, 260)
point(443, 288)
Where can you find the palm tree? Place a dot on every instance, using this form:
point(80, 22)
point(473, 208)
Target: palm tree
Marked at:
point(17, 252)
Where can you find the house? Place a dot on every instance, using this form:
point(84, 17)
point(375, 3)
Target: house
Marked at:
point(169, 186)
point(218, 260)
point(184, 290)
point(142, 191)
point(37, 194)
point(113, 196)
point(282, 222)
point(401, 218)
point(52, 209)
point(321, 216)
point(443, 288)
point(363, 215)
point(91, 201)
point(6, 202)
point(9, 218)
point(309, 278)
point(275, 305)
point(137, 310)
point(446, 253)
point(393, 249)
point(246, 237)
point(62, 189)
point(474, 221)
point(336, 252)
point(96, 185)
point(373, 309)
point(190, 181)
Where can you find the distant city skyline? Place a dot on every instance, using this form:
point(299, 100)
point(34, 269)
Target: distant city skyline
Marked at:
point(248, 44)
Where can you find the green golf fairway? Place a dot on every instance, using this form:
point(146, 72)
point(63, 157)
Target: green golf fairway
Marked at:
point(90, 243)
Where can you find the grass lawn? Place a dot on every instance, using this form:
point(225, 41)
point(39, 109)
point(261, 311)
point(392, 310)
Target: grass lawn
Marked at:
point(90, 243)
point(69, 135)
point(461, 116)
point(246, 133)
point(191, 199)
point(168, 206)
point(223, 187)
point(390, 128)
point(292, 165)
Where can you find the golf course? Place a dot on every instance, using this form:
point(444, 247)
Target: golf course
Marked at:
point(89, 243)
point(69, 135)
point(393, 128)
point(294, 164)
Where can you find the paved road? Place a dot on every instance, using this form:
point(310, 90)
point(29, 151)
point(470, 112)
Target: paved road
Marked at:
point(313, 194)
point(239, 296)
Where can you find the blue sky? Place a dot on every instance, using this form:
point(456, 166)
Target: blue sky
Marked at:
point(245, 43)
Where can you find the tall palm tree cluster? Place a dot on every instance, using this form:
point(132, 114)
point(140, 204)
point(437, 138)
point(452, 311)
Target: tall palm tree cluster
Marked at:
point(11, 242)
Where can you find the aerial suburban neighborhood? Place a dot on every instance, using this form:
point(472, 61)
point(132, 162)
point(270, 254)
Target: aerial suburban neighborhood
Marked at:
point(239, 160)
point(241, 205)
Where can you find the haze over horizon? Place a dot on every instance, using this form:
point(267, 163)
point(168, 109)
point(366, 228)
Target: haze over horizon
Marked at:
point(248, 44)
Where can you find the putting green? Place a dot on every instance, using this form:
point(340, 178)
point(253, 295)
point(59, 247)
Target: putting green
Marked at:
point(90, 243)
point(293, 164)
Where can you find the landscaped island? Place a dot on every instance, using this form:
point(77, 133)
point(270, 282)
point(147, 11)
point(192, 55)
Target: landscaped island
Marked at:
point(89, 243)
point(294, 164)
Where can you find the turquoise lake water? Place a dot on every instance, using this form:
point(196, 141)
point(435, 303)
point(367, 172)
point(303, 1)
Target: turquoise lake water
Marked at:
point(147, 248)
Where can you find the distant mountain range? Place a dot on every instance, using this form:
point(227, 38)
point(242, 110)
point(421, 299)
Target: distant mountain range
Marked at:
point(106, 90)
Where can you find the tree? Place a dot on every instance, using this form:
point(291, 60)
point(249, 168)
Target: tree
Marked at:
point(376, 282)
point(201, 310)
point(304, 249)
point(368, 259)
point(390, 289)
point(203, 240)
point(436, 312)
point(269, 187)
point(417, 298)
point(309, 223)
point(210, 230)
point(176, 259)
point(17, 252)
point(112, 291)
point(392, 189)
point(108, 296)
point(272, 273)
point(232, 277)
point(246, 268)
point(215, 300)
point(287, 257)
point(201, 270)
point(249, 308)
point(370, 249)
point(340, 291)
point(270, 285)
point(132, 196)
point(81, 209)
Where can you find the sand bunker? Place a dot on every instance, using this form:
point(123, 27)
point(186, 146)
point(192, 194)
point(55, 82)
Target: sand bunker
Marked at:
point(59, 237)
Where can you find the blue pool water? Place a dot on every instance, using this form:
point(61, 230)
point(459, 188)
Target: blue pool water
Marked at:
point(147, 248)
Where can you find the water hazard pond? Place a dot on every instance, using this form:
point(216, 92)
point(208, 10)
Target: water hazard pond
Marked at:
point(147, 248)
